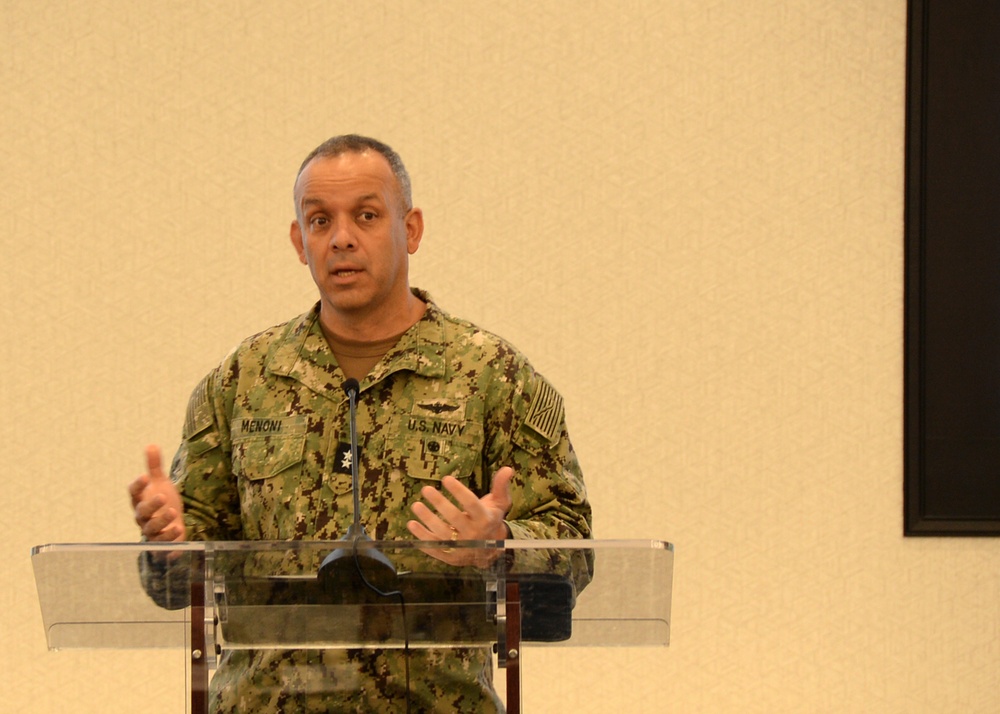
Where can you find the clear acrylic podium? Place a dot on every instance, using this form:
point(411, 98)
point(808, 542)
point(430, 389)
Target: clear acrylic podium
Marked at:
point(207, 598)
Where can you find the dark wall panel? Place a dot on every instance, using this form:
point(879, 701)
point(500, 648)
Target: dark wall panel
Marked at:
point(952, 459)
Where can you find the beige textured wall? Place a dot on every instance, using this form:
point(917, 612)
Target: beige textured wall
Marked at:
point(687, 212)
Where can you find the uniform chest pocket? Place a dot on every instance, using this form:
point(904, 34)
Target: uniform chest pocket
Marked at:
point(429, 449)
point(266, 447)
point(268, 470)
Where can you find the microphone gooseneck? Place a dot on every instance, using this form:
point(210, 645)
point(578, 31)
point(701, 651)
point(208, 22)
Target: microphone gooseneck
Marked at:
point(349, 571)
point(346, 565)
point(352, 387)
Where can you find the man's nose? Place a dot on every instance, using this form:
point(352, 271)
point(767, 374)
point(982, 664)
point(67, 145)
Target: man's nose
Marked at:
point(342, 236)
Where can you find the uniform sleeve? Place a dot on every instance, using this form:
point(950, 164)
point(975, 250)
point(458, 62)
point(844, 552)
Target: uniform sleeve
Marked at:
point(549, 496)
point(202, 466)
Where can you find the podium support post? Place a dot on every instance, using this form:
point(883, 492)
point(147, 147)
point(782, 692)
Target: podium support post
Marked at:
point(512, 656)
point(198, 650)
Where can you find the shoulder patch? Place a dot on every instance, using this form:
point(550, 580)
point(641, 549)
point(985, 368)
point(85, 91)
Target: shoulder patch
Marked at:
point(199, 412)
point(545, 413)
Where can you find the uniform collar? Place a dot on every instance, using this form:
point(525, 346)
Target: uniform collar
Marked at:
point(303, 354)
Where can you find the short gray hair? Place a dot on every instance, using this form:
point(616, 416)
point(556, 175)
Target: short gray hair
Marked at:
point(355, 143)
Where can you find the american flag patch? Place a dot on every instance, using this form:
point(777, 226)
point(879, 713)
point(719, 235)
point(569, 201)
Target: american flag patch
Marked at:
point(545, 413)
point(199, 414)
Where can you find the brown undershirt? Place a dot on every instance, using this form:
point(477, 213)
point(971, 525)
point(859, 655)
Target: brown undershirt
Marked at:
point(356, 358)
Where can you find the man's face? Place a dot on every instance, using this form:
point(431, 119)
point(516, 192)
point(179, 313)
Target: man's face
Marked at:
point(355, 234)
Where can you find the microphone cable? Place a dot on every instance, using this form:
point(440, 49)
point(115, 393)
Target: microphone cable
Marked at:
point(402, 610)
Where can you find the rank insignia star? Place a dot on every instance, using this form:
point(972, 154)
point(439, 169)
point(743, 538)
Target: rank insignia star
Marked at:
point(342, 459)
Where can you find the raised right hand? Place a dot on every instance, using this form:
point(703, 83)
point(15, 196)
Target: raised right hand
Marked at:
point(156, 503)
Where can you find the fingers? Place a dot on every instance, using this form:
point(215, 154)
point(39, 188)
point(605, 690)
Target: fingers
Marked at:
point(136, 488)
point(174, 530)
point(154, 463)
point(468, 517)
point(444, 505)
point(430, 525)
point(164, 525)
point(419, 531)
point(500, 488)
point(158, 520)
point(156, 504)
point(448, 521)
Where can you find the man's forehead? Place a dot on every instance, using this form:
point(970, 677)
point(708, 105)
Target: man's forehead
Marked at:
point(352, 174)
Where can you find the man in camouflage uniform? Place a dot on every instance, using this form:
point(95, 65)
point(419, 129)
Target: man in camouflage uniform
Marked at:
point(444, 408)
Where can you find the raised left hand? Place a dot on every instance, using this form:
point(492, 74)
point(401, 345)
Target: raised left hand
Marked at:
point(467, 517)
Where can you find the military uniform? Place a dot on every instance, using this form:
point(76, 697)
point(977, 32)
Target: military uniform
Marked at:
point(264, 456)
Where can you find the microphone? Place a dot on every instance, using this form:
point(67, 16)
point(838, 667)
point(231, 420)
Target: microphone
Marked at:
point(351, 387)
point(370, 564)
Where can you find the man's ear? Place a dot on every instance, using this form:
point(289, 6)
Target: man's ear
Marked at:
point(414, 229)
point(295, 233)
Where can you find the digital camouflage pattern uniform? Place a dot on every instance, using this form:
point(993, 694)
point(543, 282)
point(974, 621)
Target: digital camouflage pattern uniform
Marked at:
point(263, 457)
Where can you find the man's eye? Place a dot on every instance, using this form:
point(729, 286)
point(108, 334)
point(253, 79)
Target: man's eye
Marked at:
point(367, 216)
point(317, 222)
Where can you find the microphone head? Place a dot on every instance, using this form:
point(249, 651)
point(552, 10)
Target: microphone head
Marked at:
point(351, 385)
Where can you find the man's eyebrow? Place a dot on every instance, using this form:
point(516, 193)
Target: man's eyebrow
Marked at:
point(308, 201)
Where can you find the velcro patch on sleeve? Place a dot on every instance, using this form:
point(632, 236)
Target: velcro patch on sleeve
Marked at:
point(545, 413)
point(199, 411)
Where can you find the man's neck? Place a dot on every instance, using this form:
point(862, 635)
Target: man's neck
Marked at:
point(371, 326)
